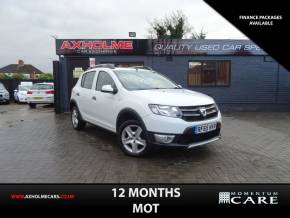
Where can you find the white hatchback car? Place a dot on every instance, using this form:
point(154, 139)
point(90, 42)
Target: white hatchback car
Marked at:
point(20, 94)
point(40, 93)
point(144, 108)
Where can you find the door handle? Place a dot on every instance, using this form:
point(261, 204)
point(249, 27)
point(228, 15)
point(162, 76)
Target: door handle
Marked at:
point(94, 98)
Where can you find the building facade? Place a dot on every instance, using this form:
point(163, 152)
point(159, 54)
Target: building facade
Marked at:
point(238, 74)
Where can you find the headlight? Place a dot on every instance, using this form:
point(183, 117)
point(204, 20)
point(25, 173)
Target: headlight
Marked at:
point(164, 110)
point(6, 94)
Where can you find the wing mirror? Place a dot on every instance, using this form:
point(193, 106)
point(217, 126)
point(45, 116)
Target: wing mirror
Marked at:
point(109, 89)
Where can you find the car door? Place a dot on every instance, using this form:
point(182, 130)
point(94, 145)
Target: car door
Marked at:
point(85, 95)
point(105, 103)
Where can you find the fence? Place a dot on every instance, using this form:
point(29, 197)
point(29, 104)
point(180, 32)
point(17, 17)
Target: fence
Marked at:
point(12, 84)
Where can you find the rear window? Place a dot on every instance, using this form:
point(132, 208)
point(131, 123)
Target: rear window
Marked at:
point(24, 88)
point(42, 86)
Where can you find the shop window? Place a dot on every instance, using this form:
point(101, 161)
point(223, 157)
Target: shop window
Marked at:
point(77, 72)
point(209, 73)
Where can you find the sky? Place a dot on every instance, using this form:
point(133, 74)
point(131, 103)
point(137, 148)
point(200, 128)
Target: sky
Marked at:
point(27, 26)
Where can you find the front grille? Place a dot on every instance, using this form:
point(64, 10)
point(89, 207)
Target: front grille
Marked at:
point(194, 113)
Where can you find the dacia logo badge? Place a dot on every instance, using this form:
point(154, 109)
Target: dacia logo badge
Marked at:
point(202, 111)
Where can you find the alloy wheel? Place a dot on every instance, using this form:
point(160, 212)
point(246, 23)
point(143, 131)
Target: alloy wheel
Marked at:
point(132, 139)
point(74, 117)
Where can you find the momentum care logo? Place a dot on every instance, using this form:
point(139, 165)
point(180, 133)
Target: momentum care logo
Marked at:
point(248, 198)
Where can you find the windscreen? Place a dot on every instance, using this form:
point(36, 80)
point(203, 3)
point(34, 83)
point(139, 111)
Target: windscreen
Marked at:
point(24, 88)
point(143, 80)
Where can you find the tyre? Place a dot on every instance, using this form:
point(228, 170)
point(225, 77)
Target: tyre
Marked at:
point(132, 138)
point(7, 102)
point(76, 119)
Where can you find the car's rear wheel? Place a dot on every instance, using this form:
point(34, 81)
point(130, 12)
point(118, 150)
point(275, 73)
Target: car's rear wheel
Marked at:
point(76, 119)
point(132, 137)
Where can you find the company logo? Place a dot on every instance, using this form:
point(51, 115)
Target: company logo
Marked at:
point(248, 198)
point(224, 198)
point(97, 44)
point(202, 111)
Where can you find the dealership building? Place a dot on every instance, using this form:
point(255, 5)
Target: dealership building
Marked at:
point(238, 74)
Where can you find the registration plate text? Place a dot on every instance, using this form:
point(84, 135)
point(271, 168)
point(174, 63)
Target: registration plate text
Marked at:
point(204, 128)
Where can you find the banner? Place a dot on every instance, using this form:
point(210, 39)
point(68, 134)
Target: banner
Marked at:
point(127, 199)
point(156, 47)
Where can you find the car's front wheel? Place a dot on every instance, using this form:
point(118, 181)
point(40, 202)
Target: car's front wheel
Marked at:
point(132, 137)
point(76, 119)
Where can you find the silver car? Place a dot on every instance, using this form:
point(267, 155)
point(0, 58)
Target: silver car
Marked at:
point(4, 94)
point(40, 93)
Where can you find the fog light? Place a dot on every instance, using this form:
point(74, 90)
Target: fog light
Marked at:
point(166, 139)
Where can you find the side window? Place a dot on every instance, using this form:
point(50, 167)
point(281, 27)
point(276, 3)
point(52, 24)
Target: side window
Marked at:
point(209, 73)
point(104, 79)
point(87, 80)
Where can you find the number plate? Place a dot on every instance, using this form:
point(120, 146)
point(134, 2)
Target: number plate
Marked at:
point(204, 128)
point(37, 98)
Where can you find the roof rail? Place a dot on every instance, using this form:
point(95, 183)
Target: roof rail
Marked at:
point(142, 67)
point(111, 66)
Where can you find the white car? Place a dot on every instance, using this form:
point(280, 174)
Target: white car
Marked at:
point(144, 108)
point(4, 94)
point(20, 94)
point(40, 93)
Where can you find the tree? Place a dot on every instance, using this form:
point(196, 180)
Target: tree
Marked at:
point(18, 76)
point(200, 35)
point(45, 76)
point(159, 30)
point(5, 76)
point(174, 26)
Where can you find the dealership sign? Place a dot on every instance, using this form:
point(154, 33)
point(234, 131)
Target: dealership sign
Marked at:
point(77, 46)
point(205, 47)
point(156, 47)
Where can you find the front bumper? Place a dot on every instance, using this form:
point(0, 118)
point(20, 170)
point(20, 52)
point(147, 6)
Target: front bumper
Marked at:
point(22, 99)
point(188, 139)
point(3, 98)
point(171, 125)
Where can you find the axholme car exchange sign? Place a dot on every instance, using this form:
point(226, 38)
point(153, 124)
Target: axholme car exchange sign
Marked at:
point(156, 47)
point(96, 44)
